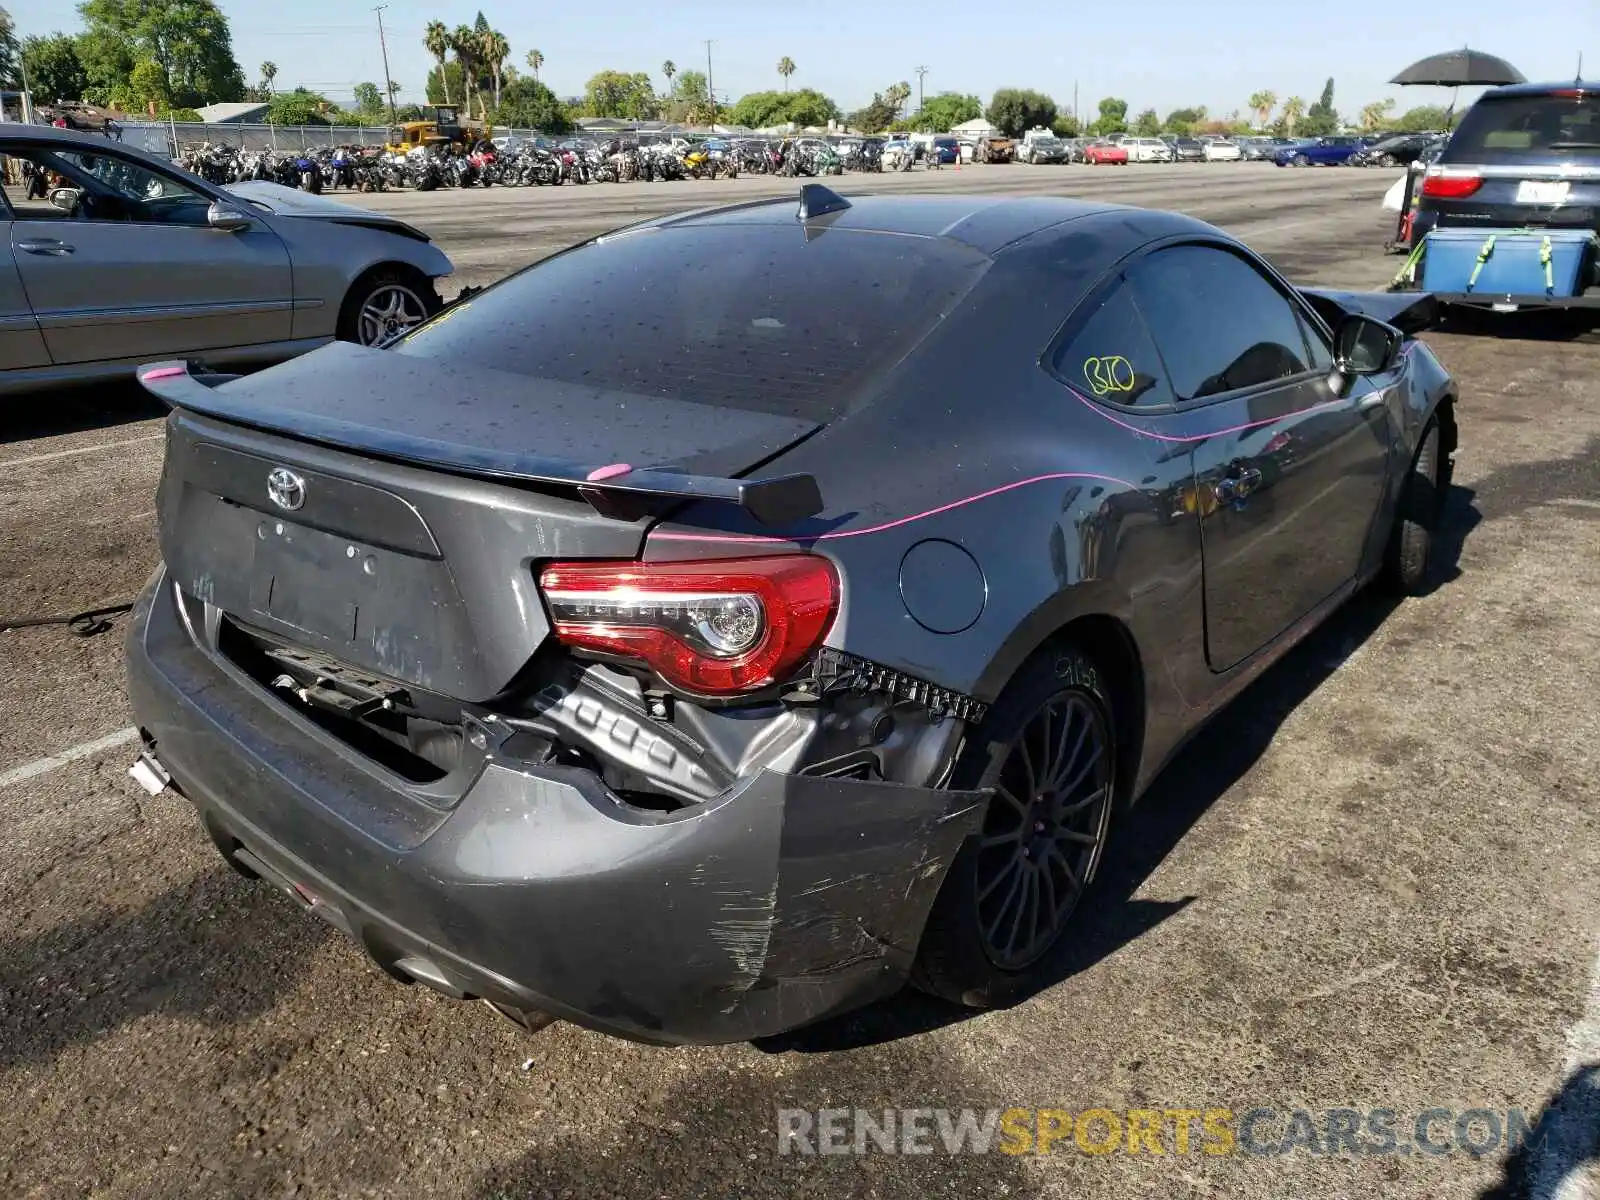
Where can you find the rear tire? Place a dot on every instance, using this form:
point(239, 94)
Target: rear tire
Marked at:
point(1409, 555)
point(1049, 749)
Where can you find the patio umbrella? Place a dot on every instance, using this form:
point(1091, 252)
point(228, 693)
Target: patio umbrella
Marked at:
point(1459, 68)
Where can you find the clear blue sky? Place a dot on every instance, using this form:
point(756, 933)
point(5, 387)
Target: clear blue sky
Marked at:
point(1156, 54)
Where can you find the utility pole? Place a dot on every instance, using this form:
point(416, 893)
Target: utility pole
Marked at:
point(1076, 115)
point(388, 80)
point(711, 91)
point(921, 71)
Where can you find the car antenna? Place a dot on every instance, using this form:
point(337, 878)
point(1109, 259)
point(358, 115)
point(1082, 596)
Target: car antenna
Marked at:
point(817, 201)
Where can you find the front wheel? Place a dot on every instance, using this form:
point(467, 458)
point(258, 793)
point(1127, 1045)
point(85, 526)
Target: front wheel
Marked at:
point(1048, 751)
point(1300, 160)
point(384, 304)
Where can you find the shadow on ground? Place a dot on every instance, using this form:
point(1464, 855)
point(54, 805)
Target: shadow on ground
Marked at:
point(1177, 799)
point(1563, 1142)
point(716, 1135)
point(76, 410)
point(197, 951)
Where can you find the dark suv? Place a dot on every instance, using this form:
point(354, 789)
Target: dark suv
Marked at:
point(1525, 156)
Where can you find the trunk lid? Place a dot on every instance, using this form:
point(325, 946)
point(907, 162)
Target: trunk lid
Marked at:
point(390, 511)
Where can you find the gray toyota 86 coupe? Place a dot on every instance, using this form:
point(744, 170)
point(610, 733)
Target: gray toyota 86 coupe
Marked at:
point(110, 256)
point(685, 638)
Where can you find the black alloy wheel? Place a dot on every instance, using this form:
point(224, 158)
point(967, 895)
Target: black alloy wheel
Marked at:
point(1043, 834)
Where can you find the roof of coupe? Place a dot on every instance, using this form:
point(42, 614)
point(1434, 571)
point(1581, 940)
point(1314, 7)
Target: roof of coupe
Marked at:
point(989, 224)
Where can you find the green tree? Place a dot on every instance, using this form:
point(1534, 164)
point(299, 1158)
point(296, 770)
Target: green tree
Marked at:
point(691, 98)
point(897, 94)
point(299, 107)
point(369, 102)
point(1294, 111)
point(875, 117)
point(1147, 124)
point(1321, 118)
point(535, 61)
point(669, 69)
point(528, 104)
point(464, 43)
point(55, 72)
point(758, 110)
point(269, 72)
point(1014, 111)
point(1375, 116)
point(1113, 117)
point(786, 68)
point(436, 39)
point(619, 94)
point(1066, 125)
point(1185, 121)
point(943, 112)
point(1262, 103)
point(1425, 117)
point(10, 53)
point(495, 49)
point(442, 85)
point(188, 41)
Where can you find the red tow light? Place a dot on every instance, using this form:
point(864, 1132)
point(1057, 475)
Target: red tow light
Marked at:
point(1441, 183)
point(714, 628)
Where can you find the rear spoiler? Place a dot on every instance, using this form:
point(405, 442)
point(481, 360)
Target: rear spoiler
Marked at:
point(612, 489)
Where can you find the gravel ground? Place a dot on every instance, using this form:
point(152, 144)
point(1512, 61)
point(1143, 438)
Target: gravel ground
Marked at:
point(1371, 884)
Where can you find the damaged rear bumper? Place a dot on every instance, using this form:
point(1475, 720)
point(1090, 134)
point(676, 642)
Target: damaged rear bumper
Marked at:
point(784, 900)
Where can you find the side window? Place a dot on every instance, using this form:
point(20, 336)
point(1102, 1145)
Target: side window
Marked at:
point(102, 187)
point(1220, 324)
point(1109, 354)
point(27, 183)
point(1317, 343)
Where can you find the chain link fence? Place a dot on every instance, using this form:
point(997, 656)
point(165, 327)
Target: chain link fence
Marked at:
point(170, 138)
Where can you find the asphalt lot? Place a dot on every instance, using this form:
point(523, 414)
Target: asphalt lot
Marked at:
point(1372, 884)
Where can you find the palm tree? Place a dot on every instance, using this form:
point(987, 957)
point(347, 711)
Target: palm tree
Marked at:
point(535, 61)
point(1293, 109)
point(786, 69)
point(269, 72)
point(1263, 102)
point(495, 50)
point(464, 41)
point(669, 69)
point(1375, 114)
point(437, 40)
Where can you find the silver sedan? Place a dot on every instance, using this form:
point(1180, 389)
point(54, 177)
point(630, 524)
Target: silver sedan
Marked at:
point(110, 257)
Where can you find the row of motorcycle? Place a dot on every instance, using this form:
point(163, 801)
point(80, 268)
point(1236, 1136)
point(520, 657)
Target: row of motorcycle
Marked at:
point(526, 163)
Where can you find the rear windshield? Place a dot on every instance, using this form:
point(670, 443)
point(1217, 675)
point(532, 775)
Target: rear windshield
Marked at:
point(747, 316)
point(1512, 128)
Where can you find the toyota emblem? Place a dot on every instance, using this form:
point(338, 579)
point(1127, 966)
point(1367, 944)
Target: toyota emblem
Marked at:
point(286, 489)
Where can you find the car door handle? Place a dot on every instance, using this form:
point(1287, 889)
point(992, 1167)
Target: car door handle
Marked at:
point(44, 246)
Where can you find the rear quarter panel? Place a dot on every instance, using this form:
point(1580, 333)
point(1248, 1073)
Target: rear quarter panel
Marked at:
point(1066, 512)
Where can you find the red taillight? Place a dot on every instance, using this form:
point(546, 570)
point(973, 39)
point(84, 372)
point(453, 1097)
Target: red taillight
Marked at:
point(1441, 183)
point(709, 628)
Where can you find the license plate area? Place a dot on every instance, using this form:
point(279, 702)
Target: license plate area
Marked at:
point(312, 581)
point(1541, 191)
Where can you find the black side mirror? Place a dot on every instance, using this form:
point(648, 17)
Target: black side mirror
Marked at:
point(1363, 346)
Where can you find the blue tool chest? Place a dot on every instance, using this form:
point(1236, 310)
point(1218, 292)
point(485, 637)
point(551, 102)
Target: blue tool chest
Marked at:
point(1508, 262)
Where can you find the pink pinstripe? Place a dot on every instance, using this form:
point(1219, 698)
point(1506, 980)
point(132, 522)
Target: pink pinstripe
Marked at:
point(895, 524)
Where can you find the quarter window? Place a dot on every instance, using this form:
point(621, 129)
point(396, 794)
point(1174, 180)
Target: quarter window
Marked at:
point(1111, 356)
point(1220, 324)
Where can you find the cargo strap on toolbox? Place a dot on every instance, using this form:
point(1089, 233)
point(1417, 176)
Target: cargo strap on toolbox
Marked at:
point(1483, 257)
point(1546, 257)
point(1408, 270)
